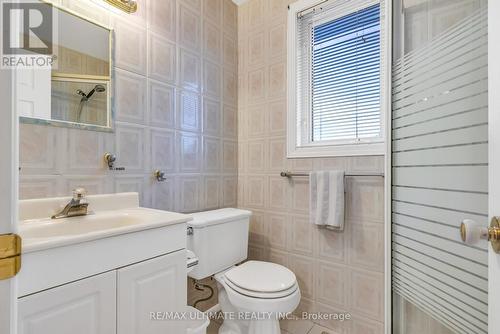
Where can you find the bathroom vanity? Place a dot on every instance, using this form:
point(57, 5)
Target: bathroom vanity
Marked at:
point(106, 272)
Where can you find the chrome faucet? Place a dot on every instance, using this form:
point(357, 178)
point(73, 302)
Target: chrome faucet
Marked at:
point(76, 207)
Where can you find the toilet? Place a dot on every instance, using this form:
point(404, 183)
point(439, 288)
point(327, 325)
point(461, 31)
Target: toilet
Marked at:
point(252, 295)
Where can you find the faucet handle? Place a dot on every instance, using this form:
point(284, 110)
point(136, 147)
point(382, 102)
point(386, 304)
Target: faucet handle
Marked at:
point(79, 193)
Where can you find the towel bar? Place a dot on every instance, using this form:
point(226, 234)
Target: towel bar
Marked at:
point(290, 174)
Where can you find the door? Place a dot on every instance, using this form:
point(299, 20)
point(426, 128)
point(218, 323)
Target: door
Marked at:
point(33, 93)
point(87, 306)
point(494, 158)
point(150, 289)
point(8, 200)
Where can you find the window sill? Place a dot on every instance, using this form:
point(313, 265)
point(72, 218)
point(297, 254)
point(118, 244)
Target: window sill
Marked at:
point(294, 152)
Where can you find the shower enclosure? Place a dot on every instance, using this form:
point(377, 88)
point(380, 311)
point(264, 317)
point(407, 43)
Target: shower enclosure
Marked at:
point(439, 165)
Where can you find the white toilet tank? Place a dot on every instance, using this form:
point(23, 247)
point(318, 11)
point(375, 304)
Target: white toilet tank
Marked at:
point(219, 239)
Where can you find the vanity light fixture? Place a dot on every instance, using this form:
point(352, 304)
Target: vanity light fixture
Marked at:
point(128, 6)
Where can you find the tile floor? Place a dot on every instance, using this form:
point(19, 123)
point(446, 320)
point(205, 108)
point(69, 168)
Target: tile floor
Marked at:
point(287, 327)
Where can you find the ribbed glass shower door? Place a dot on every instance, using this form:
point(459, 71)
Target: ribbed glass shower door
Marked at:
point(440, 165)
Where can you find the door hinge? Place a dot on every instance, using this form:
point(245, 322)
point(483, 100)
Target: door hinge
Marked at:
point(10, 255)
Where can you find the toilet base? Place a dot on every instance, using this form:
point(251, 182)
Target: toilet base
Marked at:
point(233, 325)
point(269, 326)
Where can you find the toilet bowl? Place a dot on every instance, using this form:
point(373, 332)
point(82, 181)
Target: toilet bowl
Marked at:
point(252, 295)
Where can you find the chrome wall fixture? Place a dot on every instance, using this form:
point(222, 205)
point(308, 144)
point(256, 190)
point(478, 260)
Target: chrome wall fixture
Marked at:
point(128, 6)
point(159, 175)
point(110, 160)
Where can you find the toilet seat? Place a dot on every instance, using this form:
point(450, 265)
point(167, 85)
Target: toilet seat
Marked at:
point(261, 295)
point(262, 280)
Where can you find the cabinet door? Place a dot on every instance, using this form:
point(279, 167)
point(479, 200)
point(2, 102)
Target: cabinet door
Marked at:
point(83, 307)
point(157, 285)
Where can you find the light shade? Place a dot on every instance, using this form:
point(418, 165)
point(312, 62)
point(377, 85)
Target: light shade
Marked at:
point(128, 6)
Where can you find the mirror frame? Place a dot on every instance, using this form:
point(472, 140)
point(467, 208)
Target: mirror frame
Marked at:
point(107, 79)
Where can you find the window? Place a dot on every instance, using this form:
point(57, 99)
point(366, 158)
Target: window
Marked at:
point(336, 78)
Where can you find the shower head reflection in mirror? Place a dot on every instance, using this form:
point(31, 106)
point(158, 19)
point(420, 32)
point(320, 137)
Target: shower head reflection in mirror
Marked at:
point(86, 97)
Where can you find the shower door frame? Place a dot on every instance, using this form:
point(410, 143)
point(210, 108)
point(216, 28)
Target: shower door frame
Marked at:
point(388, 172)
point(493, 159)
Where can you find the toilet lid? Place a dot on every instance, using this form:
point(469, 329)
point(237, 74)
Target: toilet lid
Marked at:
point(261, 295)
point(260, 276)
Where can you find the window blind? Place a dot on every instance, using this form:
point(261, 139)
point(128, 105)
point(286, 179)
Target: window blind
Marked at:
point(339, 72)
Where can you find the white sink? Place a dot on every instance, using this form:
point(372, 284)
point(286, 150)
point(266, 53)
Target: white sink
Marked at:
point(124, 215)
point(116, 234)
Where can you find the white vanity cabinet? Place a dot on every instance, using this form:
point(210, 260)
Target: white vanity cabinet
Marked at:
point(83, 307)
point(102, 273)
point(157, 285)
point(119, 301)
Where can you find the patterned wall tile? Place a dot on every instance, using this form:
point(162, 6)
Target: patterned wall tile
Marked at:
point(162, 104)
point(93, 184)
point(189, 148)
point(212, 154)
point(230, 51)
point(189, 190)
point(302, 236)
point(212, 81)
point(366, 249)
point(38, 149)
point(230, 191)
point(277, 229)
point(212, 9)
point(190, 70)
point(162, 58)
point(277, 117)
point(163, 150)
point(211, 117)
point(278, 198)
point(189, 111)
point(85, 152)
point(230, 87)
point(256, 158)
point(162, 17)
point(230, 16)
point(31, 187)
point(230, 122)
point(131, 93)
point(230, 156)
point(189, 28)
point(212, 41)
point(367, 293)
point(131, 183)
point(303, 268)
point(365, 199)
point(130, 46)
point(211, 192)
point(163, 194)
point(130, 148)
point(277, 41)
point(332, 284)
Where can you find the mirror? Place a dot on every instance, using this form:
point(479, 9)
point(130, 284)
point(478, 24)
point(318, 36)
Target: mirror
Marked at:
point(76, 90)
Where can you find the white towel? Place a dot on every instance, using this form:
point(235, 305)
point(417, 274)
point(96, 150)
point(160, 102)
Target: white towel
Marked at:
point(327, 199)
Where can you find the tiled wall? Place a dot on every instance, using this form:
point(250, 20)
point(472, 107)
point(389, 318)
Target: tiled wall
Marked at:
point(337, 272)
point(176, 110)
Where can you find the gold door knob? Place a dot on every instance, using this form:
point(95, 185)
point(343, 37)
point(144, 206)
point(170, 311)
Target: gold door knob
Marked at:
point(471, 232)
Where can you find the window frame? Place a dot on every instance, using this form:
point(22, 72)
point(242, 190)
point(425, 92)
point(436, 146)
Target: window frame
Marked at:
point(349, 147)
